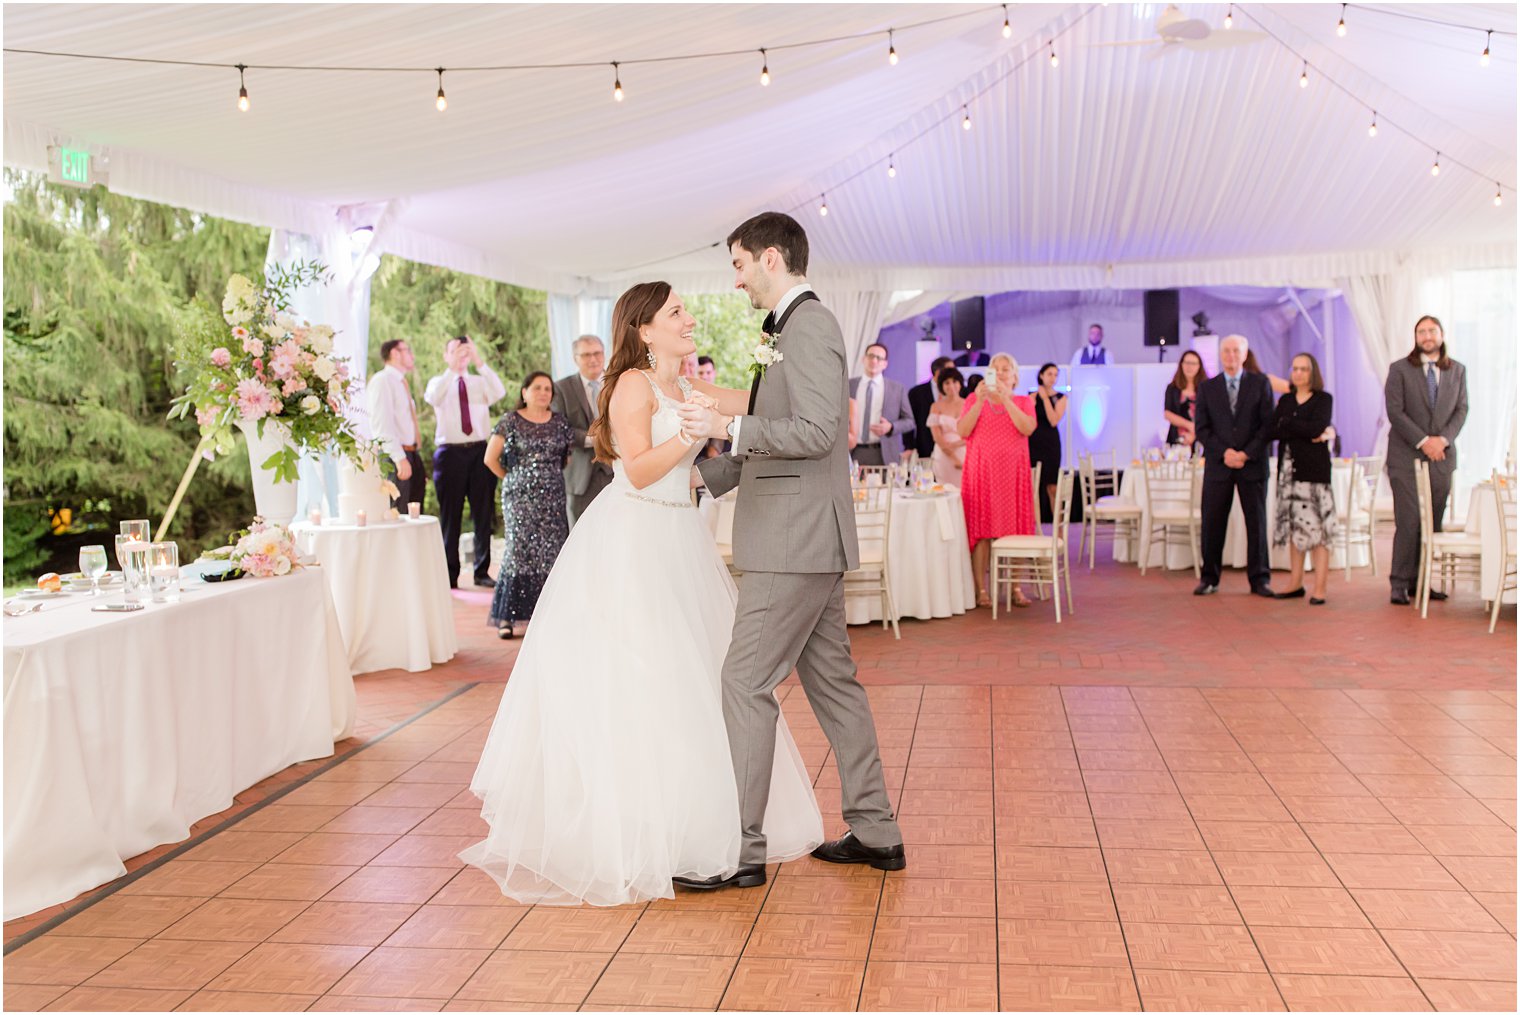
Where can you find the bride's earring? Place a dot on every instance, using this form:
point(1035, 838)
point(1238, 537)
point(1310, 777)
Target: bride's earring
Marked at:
point(649, 351)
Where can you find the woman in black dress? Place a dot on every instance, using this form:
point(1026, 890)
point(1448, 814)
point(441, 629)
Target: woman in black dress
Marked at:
point(1045, 442)
point(1182, 396)
point(1305, 506)
point(527, 452)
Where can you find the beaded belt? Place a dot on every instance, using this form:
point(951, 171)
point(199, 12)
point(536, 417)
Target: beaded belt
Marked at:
point(656, 500)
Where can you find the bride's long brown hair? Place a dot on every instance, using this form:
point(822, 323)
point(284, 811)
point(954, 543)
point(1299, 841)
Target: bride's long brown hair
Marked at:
point(635, 308)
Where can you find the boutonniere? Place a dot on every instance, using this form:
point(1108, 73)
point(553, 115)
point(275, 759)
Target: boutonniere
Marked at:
point(765, 355)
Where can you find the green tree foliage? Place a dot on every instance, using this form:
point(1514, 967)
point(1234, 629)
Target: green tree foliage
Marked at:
point(727, 330)
point(94, 285)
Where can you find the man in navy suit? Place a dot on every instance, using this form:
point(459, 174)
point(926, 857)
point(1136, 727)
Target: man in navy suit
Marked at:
point(1233, 421)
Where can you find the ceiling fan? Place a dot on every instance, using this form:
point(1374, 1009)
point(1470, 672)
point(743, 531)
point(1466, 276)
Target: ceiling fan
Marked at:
point(1175, 29)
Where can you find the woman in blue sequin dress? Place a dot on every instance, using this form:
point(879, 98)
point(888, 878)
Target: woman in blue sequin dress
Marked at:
point(527, 451)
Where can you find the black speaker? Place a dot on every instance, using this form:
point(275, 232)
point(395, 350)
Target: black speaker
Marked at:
point(1161, 313)
point(968, 324)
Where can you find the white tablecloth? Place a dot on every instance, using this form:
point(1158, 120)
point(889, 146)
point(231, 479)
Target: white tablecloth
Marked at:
point(1483, 521)
point(1178, 556)
point(390, 585)
point(123, 729)
point(929, 562)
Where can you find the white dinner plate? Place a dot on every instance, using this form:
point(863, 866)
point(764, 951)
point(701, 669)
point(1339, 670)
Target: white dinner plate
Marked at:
point(39, 594)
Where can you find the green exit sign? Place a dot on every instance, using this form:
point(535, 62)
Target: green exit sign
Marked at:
point(74, 166)
point(77, 167)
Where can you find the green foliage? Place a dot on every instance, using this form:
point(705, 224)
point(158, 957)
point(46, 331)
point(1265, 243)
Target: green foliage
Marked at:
point(727, 330)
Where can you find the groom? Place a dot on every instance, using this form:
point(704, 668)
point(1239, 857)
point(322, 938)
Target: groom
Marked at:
point(794, 537)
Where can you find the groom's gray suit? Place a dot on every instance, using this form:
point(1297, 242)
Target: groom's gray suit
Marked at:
point(794, 537)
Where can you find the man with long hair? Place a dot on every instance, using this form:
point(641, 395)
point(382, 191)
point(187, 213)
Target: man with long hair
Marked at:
point(1426, 400)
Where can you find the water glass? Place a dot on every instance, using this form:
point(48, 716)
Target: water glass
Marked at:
point(163, 572)
point(138, 529)
point(132, 555)
point(92, 564)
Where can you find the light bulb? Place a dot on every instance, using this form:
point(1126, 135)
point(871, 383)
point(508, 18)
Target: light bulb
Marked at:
point(1435, 167)
point(242, 102)
point(765, 69)
point(1054, 62)
point(1340, 29)
point(1498, 195)
point(1488, 41)
point(823, 209)
point(1372, 128)
point(1007, 28)
point(891, 170)
point(441, 102)
point(1229, 17)
point(965, 118)
point(891, 49)
point(1303, 79)
point(617, 84)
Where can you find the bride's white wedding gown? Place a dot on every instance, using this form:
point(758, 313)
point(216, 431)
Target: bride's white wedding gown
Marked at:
point(607, 770)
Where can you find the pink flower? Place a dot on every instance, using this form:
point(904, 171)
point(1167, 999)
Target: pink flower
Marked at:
point(253, 400)
point(253, 346)
point(220, 357)
point(205, 417)
point(258, 365)
point(292, 385)
point(283, 362)
point(240, 333)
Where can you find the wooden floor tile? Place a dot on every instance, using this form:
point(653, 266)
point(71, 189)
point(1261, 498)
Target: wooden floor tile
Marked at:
point(773, 984)
point(787, 935)
point(348, 1002)
point(1222, 948)
point(663, 980)
point(1328, 951)
point(1403, 909)
point(118, 999)
point(1067, 988)
point(250, 920)
point(1161, 866)
point(1454, 954)
point(552, 977)
point(288, 882)
point(54, 959)
point(1061, 943)
point(412, 972)
point(1307, 992)
point(29, 997)
point(1055, 900)
point(1371, 870)
point(1173, 990)
point(345, 923)
point(690, 934)
point(841, 897)
point(391, 884)
point(193, 878)
point(1469, 995)
point(929, 986)
point(435, 926)
point(560, 930)
point(934, 939)
point(1276, 870)
point(1363, 838)
point(233, 1000)
point(1146, 903)
point(290, 968)
point(170, 965)
point(128, 916)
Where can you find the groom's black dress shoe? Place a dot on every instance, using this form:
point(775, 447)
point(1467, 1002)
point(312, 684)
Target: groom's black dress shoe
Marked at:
point(851, 850)
point(747, 876)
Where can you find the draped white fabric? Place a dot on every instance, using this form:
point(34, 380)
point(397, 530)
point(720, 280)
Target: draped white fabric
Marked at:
point(570, 317)
point(860, 316)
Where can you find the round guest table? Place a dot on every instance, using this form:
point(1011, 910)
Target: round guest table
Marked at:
point(929, 561)
point(390, 585)
point(1483, 520)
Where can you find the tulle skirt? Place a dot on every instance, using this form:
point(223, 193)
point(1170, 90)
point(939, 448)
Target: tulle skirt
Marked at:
point(607, 770)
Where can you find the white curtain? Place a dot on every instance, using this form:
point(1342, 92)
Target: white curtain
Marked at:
point(570, 317)
point(860, 315)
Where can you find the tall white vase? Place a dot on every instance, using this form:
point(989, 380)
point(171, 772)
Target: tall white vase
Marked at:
point(274, 501)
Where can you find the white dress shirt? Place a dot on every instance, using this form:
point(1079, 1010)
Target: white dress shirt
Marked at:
point(442, 393)
point(781, 308)
point(392, 419)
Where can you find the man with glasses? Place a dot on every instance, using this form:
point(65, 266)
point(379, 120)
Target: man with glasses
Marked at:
point(577, 398)
point(882, 411)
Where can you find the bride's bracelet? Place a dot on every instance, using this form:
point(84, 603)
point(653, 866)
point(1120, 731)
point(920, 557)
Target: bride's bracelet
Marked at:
point(685, 440)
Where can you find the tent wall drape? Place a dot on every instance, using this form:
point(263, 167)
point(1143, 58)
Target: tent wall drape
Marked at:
point(570, 317)
point(860, 316)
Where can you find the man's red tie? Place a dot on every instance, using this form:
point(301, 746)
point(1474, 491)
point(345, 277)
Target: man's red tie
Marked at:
point(464, 407)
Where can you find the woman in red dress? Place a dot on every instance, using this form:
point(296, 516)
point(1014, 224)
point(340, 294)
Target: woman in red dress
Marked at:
point(995, 487)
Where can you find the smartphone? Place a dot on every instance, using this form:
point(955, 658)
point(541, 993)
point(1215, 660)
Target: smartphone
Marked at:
point(117, 608)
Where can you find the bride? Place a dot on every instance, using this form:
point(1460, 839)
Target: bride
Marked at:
point(607, 770)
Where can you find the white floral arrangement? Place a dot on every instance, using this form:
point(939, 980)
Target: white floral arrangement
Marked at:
point(766, 355)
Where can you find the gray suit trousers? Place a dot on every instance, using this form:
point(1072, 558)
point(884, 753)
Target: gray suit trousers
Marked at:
point(786, 621)
point(1405, 569)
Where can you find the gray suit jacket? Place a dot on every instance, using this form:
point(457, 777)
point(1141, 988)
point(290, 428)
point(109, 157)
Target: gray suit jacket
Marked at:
point(795, 512)
point(895, 409)
point(570, 401)
point(1412, 420)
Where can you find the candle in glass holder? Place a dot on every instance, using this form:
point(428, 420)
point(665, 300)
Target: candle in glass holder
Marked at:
point(414, 509)
point(314, 516)
point(163, 572)
point(360, 519)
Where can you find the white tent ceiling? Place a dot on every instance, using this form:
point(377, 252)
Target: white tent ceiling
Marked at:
point(1113, 168)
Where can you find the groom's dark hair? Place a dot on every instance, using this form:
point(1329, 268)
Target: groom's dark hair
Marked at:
point(774, 229)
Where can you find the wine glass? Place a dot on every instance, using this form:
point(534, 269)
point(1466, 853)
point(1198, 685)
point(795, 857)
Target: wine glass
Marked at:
point(92, 564)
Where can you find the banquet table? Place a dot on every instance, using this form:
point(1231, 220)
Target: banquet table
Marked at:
point(1483, 521)
point(123, 729)
point(390, 586)
point(1178, 557)
point(929, 562)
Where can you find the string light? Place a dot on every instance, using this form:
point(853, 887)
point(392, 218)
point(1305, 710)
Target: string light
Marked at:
point(1487, 42)
point(617, 83)
point(441, 102)
point(1303, 79)
point(1007, 28)
point(823, 208)
point(1435, 167)
point(891, 49)
point(965, 118)
point(765, 69)
point(1229, 17)
point(242, 89)
point(892, 167)
point(1053, 61)
point(1340, 29)
point(1498, 195)
point(1372, 129)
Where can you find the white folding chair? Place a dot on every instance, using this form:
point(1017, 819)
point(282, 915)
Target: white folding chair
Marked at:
point(1504, 499)
point(873, 530)
point(1449, 556)
point(1173, 508)
point(1120, 514)
point(1358, 512)
point(1039, 560)
point(878, 475)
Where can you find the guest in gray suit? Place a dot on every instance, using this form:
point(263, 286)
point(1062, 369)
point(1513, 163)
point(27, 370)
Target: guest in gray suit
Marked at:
point(794, 537)
point(1426, 398)
point(884, 412)
point(576, 398)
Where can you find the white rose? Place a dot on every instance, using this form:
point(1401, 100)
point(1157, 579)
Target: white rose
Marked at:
point(763, 354)
point(319, 342)
point(282, 565)
point(324, 368)
point(311, 405)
